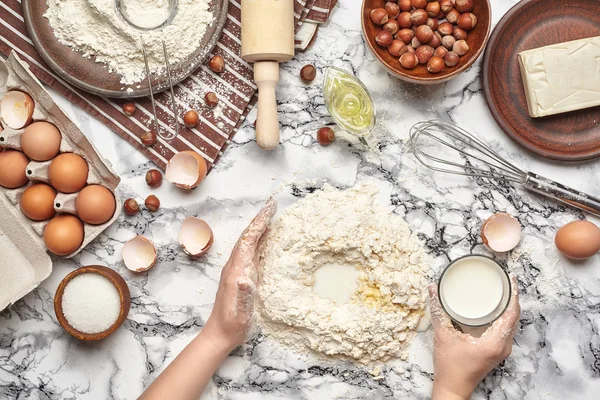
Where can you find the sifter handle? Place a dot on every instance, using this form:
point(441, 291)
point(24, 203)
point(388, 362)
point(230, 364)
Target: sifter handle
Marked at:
point(557, 191)
point(266, 76)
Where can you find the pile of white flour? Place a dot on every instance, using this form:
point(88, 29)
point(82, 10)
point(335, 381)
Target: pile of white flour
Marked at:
point(343, 227)
point(96, 29)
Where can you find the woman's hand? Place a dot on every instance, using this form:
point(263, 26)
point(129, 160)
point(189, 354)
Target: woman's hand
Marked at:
point(231, 318)
point(461, 361)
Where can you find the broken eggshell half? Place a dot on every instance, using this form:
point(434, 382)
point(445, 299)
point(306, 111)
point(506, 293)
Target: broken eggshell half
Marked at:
point(17, 109)
point(139, 254)
point(195, 236)
point(501, 232)
point(186, 169)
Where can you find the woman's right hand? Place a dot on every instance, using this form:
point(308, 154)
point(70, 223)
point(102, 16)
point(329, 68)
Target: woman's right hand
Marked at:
point(461, 361)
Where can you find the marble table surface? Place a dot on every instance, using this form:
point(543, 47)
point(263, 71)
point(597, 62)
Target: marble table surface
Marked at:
point(556, 352)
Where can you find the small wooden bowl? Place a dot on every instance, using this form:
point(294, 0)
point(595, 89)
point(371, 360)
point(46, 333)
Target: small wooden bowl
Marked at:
point(476, 39)
point(115, 279)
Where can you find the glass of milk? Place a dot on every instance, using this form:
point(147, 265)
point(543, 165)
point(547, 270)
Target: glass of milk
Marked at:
point(474, 291)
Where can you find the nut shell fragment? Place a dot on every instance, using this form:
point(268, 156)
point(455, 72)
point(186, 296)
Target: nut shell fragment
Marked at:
point(195, 236)
point(501, 232)
point(139, 254)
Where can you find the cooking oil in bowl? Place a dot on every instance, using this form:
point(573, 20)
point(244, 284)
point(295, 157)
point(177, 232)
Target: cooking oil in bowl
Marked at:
point(348, 102)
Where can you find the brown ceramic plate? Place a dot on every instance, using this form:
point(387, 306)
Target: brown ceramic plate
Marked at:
point(573, 136)
point(476, 39)
point(92, 77)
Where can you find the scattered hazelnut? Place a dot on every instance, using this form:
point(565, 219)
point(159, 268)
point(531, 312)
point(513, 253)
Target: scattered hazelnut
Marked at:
point(451, 59)
point(308, 73)
point(460, 47)
point(424, 34)
point(211, 99)
point(446, 6)
point(445, 28)
point(395, 47)
point(467, 21)
point(435, 64)
point(433, 23)
point(148, 138)
point(217, 64)
point(415, 43)
point(463, 6)
point(392, 9)
point(379, 16)
point(131, 207)
point(405, 5)
point(436, 41)
point(448, 42)
point(433, 9)
point(440, 52)
point(416, 4)
point(424, 53)
point(459, 33)
point(404, 20)
point(325, 136)
point(409, 60)
point(391, 26)
point(153, 178)
point(406, 35)
point(384, 38)
point(191, 119)
point(419, 17)
point(152, 203)
point(452, 16)
point(129, 109)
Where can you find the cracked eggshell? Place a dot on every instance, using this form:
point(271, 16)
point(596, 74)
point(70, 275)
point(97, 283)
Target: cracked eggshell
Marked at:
point(186, 169)
point(501, 232)
point(139, 254)
point(17, 109)
point(195, 236)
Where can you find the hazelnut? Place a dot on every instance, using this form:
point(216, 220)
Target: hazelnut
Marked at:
point(419, 17)
point(459, 33)
point(325, 136)
point(406, 49)
point(392, 9)
point(467, 21)
point(463, 6)
point(416, 4)
point(424, 53)
point(384, 38)
point(129, 109)
point(131, 207)
point(211, 99)
point(409, 60)
point(433, 23)
point(451, 59)
point(433, 9)
point(424, 34)
point(415, 43)
point(405, 5)
point(391, 26)
point(148, 138)
point(404, 20)
point(152, 203)
point(445, 28)
point(440, 52)
point(153, 178)
point(406, 35)
point(436, 41)
point(435, 64)
point(217, 64)
point(308, 73)
point(395, 47)
point(460, 47)
point(452, 16)
point(379, 16)
point(191, 119)
point(446, 6)
point(441, 15)
point(448, 42)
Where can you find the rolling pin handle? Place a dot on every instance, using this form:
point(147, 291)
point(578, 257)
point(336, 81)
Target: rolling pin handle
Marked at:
point(266, 76)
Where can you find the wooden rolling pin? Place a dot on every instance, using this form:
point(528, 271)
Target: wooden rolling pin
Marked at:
point(267, 40)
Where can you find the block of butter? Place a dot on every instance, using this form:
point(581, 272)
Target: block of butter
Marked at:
point(562, 77)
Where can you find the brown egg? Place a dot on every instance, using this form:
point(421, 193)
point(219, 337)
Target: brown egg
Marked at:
point(13, 167)
point(578, 240)
point(63, 234)
point(68, 173)
point(41, 141)
point(95, 204)
point(37, 202)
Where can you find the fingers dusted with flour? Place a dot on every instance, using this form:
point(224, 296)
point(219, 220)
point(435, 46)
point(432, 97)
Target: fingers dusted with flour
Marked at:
point(259, 224)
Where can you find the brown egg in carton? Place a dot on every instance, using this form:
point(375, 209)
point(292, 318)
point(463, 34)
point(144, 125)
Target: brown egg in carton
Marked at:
point(15, 76)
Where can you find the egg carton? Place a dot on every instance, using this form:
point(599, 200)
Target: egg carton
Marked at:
point(15, 227)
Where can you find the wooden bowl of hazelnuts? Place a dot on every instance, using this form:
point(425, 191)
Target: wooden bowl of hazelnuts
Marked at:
point(426, 41)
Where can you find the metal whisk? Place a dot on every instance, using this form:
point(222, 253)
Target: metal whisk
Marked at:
point(173, 7)
point(469, 156)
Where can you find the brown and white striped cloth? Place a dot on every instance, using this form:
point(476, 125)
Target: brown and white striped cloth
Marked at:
point(234, 87)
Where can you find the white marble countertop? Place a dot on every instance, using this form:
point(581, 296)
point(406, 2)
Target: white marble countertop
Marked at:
point(556, 353)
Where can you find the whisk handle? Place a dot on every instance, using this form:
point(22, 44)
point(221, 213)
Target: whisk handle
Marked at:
point(564, 194)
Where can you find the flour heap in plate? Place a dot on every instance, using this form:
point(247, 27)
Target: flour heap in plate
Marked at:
point(96, 29)
point(345, 227)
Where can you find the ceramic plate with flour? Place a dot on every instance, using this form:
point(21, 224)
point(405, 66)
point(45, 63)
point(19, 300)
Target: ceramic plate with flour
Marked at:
point(81, 69)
